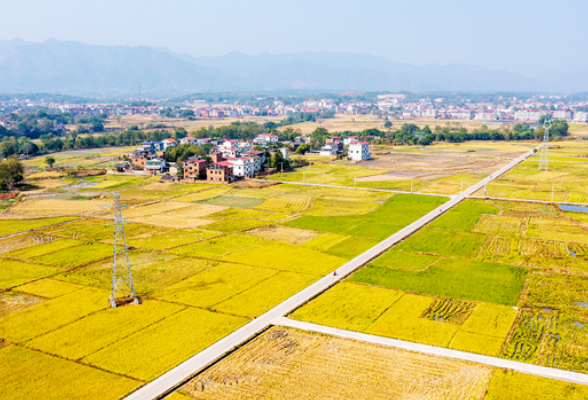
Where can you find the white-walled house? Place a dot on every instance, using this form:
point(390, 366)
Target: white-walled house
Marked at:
point(243, 166)
point(359, 151)
point(189, 140)
point(169, 143)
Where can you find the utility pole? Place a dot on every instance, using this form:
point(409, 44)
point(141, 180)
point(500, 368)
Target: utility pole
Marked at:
point(122, 277)
point(139, 91)
point(544, 161)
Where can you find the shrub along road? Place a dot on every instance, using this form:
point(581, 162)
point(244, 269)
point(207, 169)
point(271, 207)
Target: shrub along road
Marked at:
point(173, 378)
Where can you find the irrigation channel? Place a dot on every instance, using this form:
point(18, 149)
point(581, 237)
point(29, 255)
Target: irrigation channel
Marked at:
point(177, 376)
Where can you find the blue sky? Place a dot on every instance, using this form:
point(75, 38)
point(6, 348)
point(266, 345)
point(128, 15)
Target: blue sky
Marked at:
point(521, 35)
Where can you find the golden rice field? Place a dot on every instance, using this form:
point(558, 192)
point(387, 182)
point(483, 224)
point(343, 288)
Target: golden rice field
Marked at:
point(196, 263)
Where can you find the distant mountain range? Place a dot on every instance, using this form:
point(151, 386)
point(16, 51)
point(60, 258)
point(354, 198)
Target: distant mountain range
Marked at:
point(90, 70)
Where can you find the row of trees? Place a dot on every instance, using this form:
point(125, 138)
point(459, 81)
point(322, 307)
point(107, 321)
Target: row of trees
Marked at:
point(35, 125)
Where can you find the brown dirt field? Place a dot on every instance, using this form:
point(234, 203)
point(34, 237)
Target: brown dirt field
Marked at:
point(290, 364)
point(430, 166)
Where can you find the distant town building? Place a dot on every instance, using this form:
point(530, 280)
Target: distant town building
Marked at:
point(581, 116)
point(532, 116)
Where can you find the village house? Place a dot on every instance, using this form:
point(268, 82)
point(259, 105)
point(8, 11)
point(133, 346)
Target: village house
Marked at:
point(258, 158)
point(242, 166)
point(155, 166)
point(329, 150)
point(230, 152)
point(139, 157)
point(265, 139)
point(350, 139)
point(189, 140)
point(359, 151)
point(169, 143)
point(172, 168)
point(194, 169)
point(219, 172)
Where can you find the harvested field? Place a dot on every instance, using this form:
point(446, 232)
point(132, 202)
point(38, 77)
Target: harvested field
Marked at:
point(234, 201)
point(171, 221)
point(154, 209)
point(437, 171)
point(285, 234)
point(289, 364)
point(54, 208)
point(12, 301)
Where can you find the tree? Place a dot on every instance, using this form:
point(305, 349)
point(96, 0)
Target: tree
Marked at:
point(97, 126)
point(187, 113)
point(303, 148)
point(279, 162)
point(11, 172)
point(388, 125)
point(50, 160)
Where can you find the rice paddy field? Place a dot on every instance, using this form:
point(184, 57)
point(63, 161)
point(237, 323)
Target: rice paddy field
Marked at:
point(565, 181)
point(289, 364)
point(499, 278)
point(206, 260)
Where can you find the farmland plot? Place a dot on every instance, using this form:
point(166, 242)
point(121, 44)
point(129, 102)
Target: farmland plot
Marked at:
point(289, 364)
point(42, 376)
point(152, 351)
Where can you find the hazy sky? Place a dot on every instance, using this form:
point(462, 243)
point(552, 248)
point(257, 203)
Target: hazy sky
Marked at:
point(528, 36)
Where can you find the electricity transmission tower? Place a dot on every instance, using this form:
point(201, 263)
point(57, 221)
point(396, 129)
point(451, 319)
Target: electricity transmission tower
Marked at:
point(122, 277)
point(139, 91)
point(544, 161)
